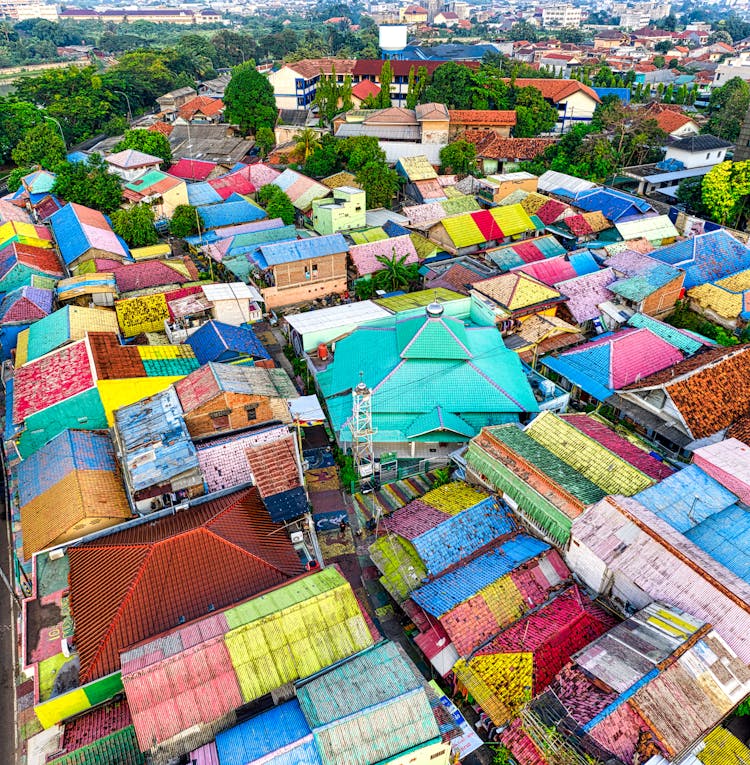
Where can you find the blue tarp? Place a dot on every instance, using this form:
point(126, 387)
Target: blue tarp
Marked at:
point(230, 213)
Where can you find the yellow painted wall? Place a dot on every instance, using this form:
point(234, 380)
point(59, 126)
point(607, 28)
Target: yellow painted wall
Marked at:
point(142, 314)
point(118, 393)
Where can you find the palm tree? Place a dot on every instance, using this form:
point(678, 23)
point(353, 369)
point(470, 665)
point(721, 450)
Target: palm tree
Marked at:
point(307, 141)
point(396, 275)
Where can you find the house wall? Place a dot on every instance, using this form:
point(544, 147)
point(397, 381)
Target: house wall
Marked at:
point(662, 301)
point(456, 128)
point(505, 188)
point(435, 131)
point(172, 198)
point(295, 282)
point(692, 159)
point(288, 94)
point(578, 107)
point(228, 411)
point(689, 128)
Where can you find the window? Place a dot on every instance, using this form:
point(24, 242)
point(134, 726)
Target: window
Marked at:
point(708, 155)
point(314, 270)
point(307, 272)
point(220, 419)
point(252, 412)
point(299, 83)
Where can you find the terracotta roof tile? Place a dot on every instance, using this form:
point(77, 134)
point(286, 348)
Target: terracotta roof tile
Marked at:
point(204, 105)
point(556, 90)
point(139, 582)
point(490, 117)
point(491, 146)
point(274, 466)
point(740, 429)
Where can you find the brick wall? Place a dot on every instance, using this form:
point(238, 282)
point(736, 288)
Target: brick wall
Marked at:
point(228, 411)
point(296, 282)
point(662, 301)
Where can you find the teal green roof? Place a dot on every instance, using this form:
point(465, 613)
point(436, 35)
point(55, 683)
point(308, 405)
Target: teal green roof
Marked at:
point(553, 467)
point(415, 365)
point(438, 421)
point(120, 748)
point(687, 341)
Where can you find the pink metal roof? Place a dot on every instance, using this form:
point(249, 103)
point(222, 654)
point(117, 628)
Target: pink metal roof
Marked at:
point(487, 225)
point(103, 239)
point(192, 169)
point(635, 355)
point(549, 271)
point(365, 256)
point(414, 519)
point(51, 379)
point(194, 687)
point(585, 292)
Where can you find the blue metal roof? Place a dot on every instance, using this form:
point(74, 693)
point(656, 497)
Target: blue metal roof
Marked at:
point(686, 498)
point(622, 93)
point(303, 249)
point(69, 451)
point(230, 213)
point(70, 238)
point(394, 229)
point(280, 727)
point(462, 534)
point(449, 590)
point(587, 367)
point(612, 204)
point(209, 237)
point(706, 257)
point(217, 341)
point(583, 263)
point(688, 342)
point(155, 440)
point(726, 537)
point(202, 194)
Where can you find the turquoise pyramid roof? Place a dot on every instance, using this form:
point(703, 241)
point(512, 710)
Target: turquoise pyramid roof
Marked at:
point(438, 421)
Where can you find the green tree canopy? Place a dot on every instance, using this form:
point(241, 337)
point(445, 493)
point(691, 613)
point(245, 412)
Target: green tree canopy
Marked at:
point(136, 225)
point(184, 221)
point(379, 182)
point(16, 119)
point(458, 157)
point(452, 85)
point(280, 206)
point(306, 142)
point(265, 139)
point(149, 142)
point(249, 99)
point(727, 108)
point(88, 184)
point(359, 151)
point(725, 190)
point(533, 114)
point(41, 145)
point(395, 274)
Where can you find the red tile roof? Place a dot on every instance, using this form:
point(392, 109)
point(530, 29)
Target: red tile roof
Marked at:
point(274, 466)
point(94, 725)
point(161, 127)
point(139, 582)
point(669, 120)
point(556, 90)
point(203, 105)
point(490, 117)
point(112, 360)
point(740, 429)
point(192, 169)
point(365, 88)
point(40, 258)
point(491, 146)
point(709, 389)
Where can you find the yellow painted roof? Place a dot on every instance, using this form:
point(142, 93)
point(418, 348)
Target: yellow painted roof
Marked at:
point(512, 219)
point(721, 748)
point(540, 327)
point(606, 469)
point(517, 290)
point(738, 282)
point(154, 251)
point(454, 497)
point(533, 202)
point(463, 230)
point(83, 320)
point(22, 348)
point(722, 301)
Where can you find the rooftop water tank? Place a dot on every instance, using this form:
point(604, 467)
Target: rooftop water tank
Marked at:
point(392, 38)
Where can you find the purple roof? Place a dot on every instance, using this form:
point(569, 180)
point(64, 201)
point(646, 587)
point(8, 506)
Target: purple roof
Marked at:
point(25, 305)
point(586, 292)
point(414, 519)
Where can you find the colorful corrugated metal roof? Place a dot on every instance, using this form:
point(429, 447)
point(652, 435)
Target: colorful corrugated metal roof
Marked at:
point(303, 249)
point(365, 256)
point(368, 709)
point(136, 583)
point(78, 229)
point(585, 293)
point(449, 590)
point(26, 305)
point(609, 471)
point(688, 342)
point(230, 213)
point(527, 251)
point(119, 748)
point(516, 291)
point(602, 366)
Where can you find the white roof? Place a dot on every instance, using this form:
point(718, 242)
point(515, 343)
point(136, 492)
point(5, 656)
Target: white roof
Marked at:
point(519, 176)
point(380, 215)
point(336, 316)
point(396, 150)
point(231, 291)
point(132, 158)
point(552, 180)
point(306, 409)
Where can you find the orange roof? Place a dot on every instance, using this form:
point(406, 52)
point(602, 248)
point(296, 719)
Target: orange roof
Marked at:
point(202, 104)
point(365, 88)
point(555, 90)
point(491, 117)
point(670, 121)
point(491, 146)
point(310, 67)
point(161, 127)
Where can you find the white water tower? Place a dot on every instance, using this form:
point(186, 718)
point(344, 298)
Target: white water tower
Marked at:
point(392, 39)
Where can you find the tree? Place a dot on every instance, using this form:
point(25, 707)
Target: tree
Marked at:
point(379, 182)
point(359, 151)
point(89, 184)
point(346, 94)
point(265, 140)
point(727, 108)
point(533, 114)
point(663, 46)
point(41, 145)
point(416, 86)
point(386, 78)
point(327, 95)
point(280, 206)
point(135, 225)
point(724, 191)
point(458, 157)
point(184, 221)
point(149, 142)
point(396, 274)
point(16, 119)
point(690, 193)
point(523, 31)
point(306, 142)
point(451, 85)
point(720, 36)
point(659, 62)
point(248, 99)
point(324, 160)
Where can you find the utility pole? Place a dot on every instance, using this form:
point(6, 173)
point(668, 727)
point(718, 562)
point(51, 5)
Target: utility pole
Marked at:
point(130, 111)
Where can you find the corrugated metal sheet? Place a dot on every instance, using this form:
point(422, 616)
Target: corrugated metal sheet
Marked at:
point(304, 249)
point(230, 213)
point(449, 590)
point(368, 709)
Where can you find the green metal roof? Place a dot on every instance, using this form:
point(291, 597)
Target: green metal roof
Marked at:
point(688, 342)
point(419, 299)
point(553, 467)
point(438, 338)
point(438, 421)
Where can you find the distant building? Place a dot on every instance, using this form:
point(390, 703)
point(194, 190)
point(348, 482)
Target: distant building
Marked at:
point(129, 163)
point(561, 15)
point(171, 102)
point(155, 15)
point(346, 210)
